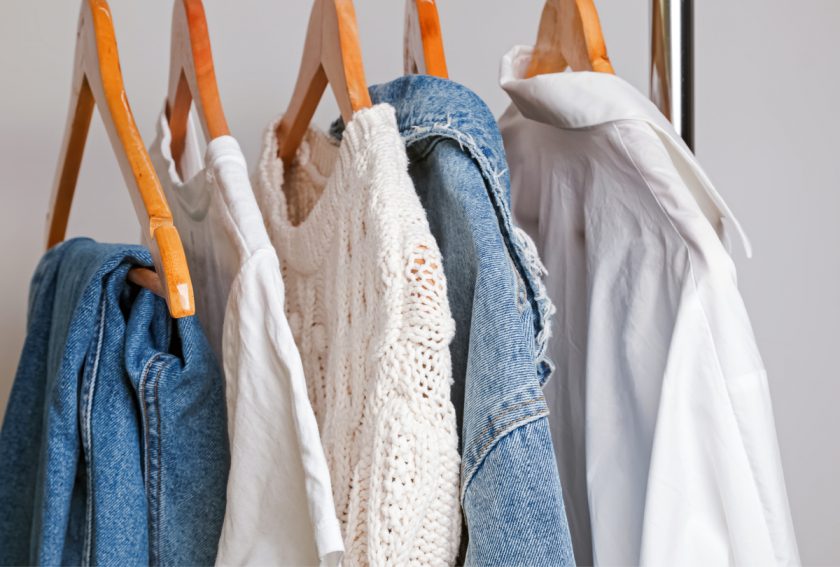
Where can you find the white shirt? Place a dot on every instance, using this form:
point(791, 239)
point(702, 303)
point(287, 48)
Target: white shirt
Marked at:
point(280, 508)
point(661, 414)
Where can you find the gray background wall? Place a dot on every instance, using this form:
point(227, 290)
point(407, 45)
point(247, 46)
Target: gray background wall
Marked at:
point(768, 83)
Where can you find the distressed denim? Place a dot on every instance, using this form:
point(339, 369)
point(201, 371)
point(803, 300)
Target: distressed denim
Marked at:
point(510, 487)
point(114, 446)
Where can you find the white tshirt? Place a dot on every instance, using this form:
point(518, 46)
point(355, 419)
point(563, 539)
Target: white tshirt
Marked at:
point(280, 508)
point(661, 413)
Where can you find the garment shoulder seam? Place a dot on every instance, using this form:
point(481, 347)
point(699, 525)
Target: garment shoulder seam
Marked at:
point(488, 447)
point(246, 266)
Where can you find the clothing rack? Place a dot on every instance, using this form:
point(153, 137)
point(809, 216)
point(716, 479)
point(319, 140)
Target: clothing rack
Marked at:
point(672, 63)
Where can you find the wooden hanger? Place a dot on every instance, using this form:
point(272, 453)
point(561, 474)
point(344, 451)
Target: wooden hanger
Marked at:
point(423, 41)
point(570, 36)
point(192, 77)
point(97, 81)
point(331, 54)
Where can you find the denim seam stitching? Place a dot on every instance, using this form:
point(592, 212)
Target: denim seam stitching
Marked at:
point(147, 370)
point(86, 437)
point(470, 471)
point(159, 463)
point(508, 410)
point(524, 273)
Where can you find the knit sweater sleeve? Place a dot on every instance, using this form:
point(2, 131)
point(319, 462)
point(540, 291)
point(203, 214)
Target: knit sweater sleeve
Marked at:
point(415, 514)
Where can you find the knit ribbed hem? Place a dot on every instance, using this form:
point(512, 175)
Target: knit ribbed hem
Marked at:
point(303, 246)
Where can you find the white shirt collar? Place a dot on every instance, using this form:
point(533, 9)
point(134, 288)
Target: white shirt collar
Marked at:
point(575, 100)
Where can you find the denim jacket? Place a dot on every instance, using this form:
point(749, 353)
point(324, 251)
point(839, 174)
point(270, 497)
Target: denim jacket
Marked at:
point(510, 487)
point(114, 446)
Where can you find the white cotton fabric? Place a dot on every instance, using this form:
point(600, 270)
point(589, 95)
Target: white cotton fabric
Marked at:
point(660, 409)
point(280, 508)
point(368, 307)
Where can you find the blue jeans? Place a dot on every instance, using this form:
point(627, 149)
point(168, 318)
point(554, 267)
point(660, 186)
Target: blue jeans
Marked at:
point(114, 447)
point(510, 487)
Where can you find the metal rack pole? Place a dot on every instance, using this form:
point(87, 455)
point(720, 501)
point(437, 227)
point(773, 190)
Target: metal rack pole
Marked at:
point(672, 63)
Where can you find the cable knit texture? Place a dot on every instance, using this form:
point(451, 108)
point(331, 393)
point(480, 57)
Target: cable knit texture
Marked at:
point(366, 300)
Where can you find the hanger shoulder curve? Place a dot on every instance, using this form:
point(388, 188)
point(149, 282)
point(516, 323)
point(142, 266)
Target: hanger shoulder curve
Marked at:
point(423, 41)
point(192, 77)
point(570, 35)
point(97, 83)
point(332, 56)
point(342, 59)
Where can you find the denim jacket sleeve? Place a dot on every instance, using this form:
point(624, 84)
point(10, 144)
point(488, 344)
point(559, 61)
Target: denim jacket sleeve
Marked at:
point(510, 487)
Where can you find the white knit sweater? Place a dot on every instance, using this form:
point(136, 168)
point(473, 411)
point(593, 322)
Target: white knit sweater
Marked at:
point(366, 300)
